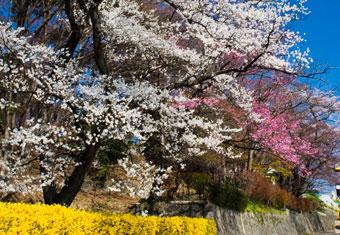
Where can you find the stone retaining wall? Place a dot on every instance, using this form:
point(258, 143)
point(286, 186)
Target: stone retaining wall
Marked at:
point(238, 223)
point(290, 223)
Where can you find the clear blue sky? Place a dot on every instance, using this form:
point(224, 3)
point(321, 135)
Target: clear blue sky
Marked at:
point(322, 28)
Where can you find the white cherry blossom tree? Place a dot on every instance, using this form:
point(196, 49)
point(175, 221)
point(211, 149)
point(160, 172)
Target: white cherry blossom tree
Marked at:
point(122, 72)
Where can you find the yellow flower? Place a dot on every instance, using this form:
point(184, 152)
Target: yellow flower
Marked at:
point(20, 218)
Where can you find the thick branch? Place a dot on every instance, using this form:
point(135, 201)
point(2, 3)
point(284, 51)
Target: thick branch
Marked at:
point(75, 35)
point(98, 50)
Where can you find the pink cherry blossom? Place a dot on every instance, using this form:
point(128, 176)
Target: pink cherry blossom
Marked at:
point(280, 134)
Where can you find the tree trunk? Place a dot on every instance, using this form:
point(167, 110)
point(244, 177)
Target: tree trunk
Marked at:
point(21, 12)
point(75, 36)
point(98, 50)
point(74, 182)
point(49, 193)
point(250, 160)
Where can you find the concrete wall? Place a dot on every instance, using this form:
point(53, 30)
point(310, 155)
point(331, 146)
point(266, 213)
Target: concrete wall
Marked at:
point(237, 223)
point(290, 223)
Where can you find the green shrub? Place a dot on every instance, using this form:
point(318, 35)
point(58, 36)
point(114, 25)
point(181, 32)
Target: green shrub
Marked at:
point(258, 208)
point(112, 150)
point(200, 182)
point(228, 196)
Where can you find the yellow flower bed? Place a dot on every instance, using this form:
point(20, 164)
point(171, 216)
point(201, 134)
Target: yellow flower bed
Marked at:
point(20, 218)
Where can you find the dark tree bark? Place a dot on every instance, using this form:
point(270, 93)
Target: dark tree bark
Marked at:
point(75, 36)
point(20, 8)
point(98, 50)
point(74, 182)
point(49, 191)
point(76, 179)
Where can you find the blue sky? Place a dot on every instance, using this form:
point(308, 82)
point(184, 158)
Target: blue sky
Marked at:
point(322, 28)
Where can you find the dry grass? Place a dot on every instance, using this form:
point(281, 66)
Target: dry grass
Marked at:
point(103, 201)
